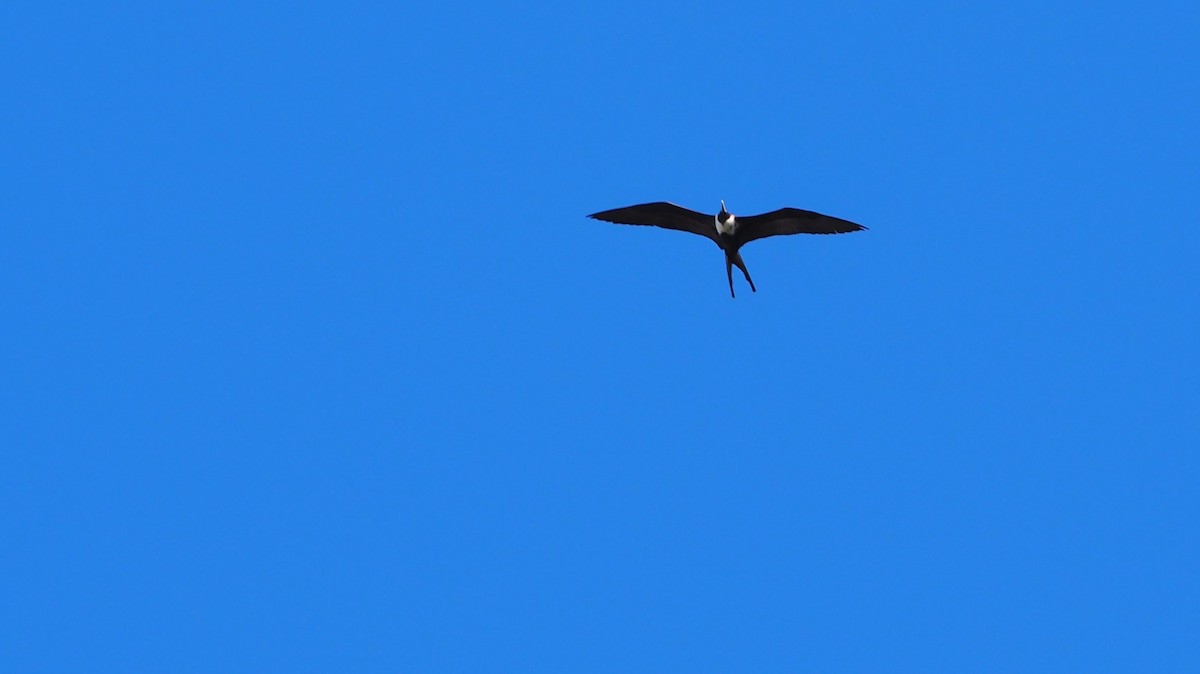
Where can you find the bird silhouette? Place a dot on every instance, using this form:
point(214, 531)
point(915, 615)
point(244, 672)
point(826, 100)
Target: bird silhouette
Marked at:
point(728, 231)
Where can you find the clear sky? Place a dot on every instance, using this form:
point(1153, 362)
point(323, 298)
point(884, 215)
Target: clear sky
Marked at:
point(312, 362)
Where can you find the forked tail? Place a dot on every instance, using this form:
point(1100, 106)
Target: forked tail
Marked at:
point(730, 261)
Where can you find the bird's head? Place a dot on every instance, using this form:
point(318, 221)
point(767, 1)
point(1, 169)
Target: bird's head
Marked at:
point(724, 214)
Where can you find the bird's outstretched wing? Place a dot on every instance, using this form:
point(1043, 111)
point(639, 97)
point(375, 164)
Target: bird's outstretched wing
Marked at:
point(663, 214)
point(790, 221)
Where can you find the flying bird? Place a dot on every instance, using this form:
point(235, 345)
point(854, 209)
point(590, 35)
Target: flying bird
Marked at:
point(726, 230)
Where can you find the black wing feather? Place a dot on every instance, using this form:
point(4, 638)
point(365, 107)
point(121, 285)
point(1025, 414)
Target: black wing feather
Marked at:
point(791, 221)
point(663, 214)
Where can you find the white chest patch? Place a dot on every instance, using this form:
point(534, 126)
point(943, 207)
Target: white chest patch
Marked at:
point(728, 227)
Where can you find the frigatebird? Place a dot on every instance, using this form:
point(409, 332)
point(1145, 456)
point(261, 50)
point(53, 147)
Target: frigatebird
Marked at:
point(726, 230)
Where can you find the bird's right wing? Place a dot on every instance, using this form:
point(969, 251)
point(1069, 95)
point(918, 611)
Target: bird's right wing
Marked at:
point(663, 214)
point(791, 221)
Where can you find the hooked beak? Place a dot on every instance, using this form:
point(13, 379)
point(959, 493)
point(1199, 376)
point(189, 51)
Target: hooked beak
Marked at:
point(723, 206)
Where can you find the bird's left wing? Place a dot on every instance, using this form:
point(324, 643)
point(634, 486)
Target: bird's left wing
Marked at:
point(662, 214)
point(791, 221)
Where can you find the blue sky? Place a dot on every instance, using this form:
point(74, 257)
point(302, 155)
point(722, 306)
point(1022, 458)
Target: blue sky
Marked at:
point(312, 361)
